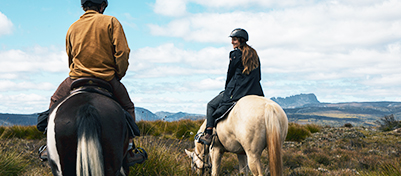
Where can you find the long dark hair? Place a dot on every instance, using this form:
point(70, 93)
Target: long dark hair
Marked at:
point(250, 58)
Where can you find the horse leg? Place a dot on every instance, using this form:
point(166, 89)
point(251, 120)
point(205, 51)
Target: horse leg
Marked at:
point(254, 163)
point(243, 167)
point(216, 155)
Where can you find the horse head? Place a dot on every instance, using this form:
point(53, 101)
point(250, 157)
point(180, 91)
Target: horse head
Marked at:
point(200, 158)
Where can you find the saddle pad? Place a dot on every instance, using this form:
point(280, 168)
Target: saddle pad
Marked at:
point(225, 114)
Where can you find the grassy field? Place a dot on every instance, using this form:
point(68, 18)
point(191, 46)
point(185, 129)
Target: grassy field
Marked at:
point(309, 150)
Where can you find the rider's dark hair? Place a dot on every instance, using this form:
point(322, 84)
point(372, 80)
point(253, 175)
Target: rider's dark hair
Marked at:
point(91, 6)
point(250, 58)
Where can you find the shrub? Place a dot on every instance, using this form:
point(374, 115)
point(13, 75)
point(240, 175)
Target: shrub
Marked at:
point(348, 125)
point(2, 128)
point(386, 168)
point(388, 123)
point(321, 158)
point(11, 163)
point(293, 160)
point(22, 132)
point(297, 132)
point(165, 158)
point(313, 128)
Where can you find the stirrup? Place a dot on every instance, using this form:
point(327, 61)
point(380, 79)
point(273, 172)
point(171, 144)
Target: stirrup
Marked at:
point(141, 152)
point(40, 152)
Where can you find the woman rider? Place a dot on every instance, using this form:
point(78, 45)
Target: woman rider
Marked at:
point(243, 78)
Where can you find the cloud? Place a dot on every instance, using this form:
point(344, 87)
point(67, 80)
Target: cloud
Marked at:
point(324, 26)
point(170, 7)
point(23, 103)
point(33, 60)
point(7, 85)
point(6, 26)
point(168, 60)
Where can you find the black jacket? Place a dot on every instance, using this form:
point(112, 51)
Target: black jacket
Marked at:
point(238, 84)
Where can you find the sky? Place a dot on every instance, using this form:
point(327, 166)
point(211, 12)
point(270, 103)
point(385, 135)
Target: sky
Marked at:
point(340, 50)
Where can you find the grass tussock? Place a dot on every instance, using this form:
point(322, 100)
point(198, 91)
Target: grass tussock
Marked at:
point(297, 132)
point(21, 132)
point(11, 163)
point(166, 157)
point(309, 150)
point(183, 129)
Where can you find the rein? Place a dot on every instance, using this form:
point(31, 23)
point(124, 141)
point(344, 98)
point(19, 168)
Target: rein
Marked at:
point(205, 161)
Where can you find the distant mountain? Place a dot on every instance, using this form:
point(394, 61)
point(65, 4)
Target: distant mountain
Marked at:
point(302, 108)
point(18, 119)
point(168, 116)
point(296, 100)
point(140, 113)
point(144, 114)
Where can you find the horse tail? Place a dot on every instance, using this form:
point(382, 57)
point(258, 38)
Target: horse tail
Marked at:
point(274, 141)
point(89, 149)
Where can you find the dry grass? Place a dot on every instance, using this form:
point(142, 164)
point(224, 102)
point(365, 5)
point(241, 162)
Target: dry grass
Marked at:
point(327, 151)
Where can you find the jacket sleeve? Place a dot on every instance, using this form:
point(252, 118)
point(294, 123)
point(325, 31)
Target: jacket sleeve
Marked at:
point(235, 61)
point(68, 49)
point(121, 49)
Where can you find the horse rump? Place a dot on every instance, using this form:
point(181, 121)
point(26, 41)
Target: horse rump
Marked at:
point(89, 149)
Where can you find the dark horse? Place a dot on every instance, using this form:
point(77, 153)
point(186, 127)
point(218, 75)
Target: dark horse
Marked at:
point(87, 135)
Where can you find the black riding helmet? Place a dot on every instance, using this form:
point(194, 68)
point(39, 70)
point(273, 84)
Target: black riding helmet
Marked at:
point(94, 1)
point(238, 32)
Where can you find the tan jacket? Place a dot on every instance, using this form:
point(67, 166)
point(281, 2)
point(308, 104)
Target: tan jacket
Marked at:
point(97, 47)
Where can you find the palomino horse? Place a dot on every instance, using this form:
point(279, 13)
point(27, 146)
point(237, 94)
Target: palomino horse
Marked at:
point(252, 125)
point(87, 135)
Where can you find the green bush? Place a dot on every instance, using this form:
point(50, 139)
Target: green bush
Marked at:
point(313, 128)
point(22, 132)
point(294, 160)
point(164, 158)
point(2, 128)
point(11, 163)
point(182, 129)
point(391, 168)
point(388, 123)
point(297, 132)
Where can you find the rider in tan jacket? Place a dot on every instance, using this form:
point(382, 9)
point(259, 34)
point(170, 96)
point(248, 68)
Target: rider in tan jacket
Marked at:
point(97, 47)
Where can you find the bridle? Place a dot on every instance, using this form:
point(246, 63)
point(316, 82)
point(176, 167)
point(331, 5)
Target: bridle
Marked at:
point(206, 165)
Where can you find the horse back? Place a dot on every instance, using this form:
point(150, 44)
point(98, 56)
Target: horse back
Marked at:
point(246, 123)
point(113, 134)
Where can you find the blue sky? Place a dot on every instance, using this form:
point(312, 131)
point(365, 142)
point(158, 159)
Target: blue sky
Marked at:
point(341, 50)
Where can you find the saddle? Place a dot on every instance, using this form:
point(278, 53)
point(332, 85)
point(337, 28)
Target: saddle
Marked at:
point(95, 85)
point(225, 114)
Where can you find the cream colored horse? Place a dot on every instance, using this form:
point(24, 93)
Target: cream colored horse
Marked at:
point(253, 124)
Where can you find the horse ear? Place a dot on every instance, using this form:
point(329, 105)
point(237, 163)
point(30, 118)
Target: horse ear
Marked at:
point(189, 153)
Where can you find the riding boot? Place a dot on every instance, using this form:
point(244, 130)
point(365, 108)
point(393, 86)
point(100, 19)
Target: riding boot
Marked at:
point(136, 157)
point(207, 139)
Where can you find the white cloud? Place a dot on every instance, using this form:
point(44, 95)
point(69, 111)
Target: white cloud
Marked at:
point(33, 60)
point(168, 60)
point(6, 26)
point(23, 103)
point(208, 84)
point(170, 7)
point(8, 85)
point(324, 26)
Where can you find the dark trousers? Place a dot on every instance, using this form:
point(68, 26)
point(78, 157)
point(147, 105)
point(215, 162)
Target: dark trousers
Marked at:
point(211, 108)
point(119, 91)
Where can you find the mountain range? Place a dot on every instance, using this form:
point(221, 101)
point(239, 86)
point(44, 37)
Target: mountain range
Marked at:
point(302, 108)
